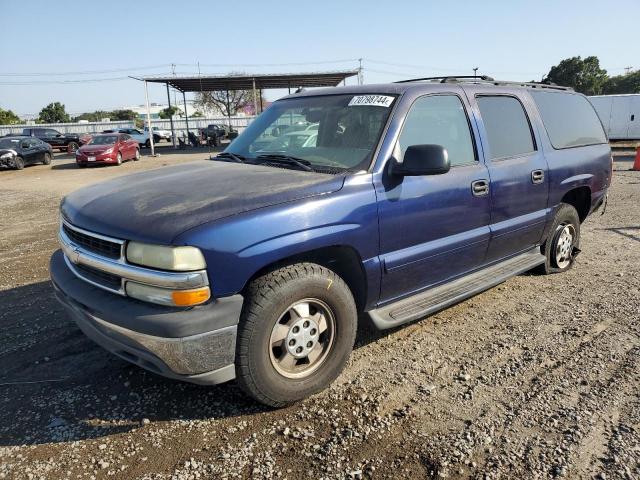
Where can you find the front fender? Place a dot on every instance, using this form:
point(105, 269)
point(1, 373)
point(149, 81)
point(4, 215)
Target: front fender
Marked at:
point(237, 247)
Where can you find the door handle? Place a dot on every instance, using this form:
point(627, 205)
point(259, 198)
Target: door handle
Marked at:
point(537, 176)
point(480, 188)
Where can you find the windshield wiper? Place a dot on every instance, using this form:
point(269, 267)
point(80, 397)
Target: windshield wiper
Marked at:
point(231, 156)
point(288, 159)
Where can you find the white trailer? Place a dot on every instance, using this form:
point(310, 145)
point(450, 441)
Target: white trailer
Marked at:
point(620, 115)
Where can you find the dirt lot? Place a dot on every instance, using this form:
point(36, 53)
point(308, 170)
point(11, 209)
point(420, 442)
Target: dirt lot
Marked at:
point(539, 377)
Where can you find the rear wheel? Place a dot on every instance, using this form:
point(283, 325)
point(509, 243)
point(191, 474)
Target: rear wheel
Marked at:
point(296, 333)
point(72, 147)
point(47, 159)
point(561, 247)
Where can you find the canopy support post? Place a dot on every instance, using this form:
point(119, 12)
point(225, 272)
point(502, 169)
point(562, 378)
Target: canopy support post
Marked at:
point(255, 99)
point(228, 109)
point(261, 108)
point(173, 132)
point(146, 99)
point(186, 114)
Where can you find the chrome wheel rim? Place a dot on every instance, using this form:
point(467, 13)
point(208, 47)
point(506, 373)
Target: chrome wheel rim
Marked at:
point(565, 238)
point(302, 338)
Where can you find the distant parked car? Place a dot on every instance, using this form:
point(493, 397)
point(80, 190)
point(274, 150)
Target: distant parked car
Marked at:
point(138, 135)
point(159, 134)
point(67, 142)
point(16, 152)
point(113, 148)
point(86, 137)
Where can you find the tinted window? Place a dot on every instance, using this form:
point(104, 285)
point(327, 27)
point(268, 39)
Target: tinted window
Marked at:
point(507, 126)
point(439, 120)
point(569, 119)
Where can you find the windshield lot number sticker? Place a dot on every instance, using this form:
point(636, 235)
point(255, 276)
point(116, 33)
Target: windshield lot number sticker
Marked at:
point(371, 101)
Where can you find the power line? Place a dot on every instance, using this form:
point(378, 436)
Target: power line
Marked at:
point(62, 82)
point(82, 72)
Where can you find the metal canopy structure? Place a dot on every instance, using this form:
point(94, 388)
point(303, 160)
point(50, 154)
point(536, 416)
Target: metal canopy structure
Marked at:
point(207, 83)
point(227, 83)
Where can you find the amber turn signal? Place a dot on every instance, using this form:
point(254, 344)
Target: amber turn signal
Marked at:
point(187, 298)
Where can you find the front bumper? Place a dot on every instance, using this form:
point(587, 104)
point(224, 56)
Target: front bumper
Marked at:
point(195, 344)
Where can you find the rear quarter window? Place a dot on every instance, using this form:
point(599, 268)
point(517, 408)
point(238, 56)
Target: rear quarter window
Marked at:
point(569, 119)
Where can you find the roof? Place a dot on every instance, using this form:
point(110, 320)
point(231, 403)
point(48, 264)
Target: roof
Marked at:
point(207, 83)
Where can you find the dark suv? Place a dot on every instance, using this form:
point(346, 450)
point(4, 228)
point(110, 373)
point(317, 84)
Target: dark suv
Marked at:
point(402, 199)
point(68, 142)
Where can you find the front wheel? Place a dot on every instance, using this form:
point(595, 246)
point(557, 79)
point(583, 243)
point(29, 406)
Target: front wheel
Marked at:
point(47, 159)
point(147, 144)
point(561, 246)
point(296, 333)
point(18, 163)
point(119, 159)
point(137, 155)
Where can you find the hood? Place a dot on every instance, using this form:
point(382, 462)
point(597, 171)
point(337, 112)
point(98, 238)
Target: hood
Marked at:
point(95, 148)
point(156, 206)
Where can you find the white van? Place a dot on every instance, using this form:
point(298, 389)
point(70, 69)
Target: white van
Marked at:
point(620, 115)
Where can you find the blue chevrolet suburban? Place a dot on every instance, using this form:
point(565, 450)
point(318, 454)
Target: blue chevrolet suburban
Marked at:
point(381, 202)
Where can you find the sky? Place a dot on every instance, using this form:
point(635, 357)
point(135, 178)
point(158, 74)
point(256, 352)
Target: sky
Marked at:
point(77, 52)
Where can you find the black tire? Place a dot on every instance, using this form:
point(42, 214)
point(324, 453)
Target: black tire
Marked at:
point(156, 139)
point(119, 159)
point(18, 163)
point(566, 217)
point(147, 144)
point(47, 159)
point(267, 299)
point(136, 157)
point(72, 147)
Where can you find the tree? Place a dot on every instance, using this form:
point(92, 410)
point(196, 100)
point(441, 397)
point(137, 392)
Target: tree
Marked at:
point(585, 76)
point(7, 117)
point(123, 115)
point(620, 84)
point(92, 117)
point(169, 112)
point(54, 113)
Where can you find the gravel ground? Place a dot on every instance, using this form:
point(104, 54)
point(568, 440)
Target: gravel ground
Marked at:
point(536, 378)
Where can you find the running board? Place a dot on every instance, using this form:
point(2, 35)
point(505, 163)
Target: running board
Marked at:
point(443, 296)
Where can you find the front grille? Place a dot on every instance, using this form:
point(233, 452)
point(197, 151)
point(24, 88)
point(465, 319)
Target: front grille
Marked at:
point(93, 244)
point(97, 276)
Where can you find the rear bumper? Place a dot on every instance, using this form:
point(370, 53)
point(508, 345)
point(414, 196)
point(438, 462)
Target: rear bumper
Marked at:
point(195, 345)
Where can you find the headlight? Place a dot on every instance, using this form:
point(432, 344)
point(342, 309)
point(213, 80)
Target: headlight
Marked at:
point(163, 296)
point(108, 150)
point(6, 155)
point(181, 259)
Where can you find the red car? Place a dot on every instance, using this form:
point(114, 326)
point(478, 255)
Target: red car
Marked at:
point(108, 148)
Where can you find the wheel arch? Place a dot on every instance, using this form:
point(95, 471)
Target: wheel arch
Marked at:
point(344, 260)
point(580, 199)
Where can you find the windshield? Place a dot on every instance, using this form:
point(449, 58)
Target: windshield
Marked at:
point(6, 143)
point(330, 132)
point(103, 140)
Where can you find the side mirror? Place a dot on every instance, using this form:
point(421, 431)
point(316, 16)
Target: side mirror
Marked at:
point(422, 160)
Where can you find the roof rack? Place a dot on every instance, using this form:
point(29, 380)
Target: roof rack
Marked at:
point(485, 79)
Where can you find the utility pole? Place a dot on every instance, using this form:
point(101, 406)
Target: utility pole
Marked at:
point(360, 76)
point(475, 71)
point(627, 70)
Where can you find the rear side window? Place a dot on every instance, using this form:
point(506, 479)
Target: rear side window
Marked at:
point(570, 120)
point(507, 126)
point(439, 120)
